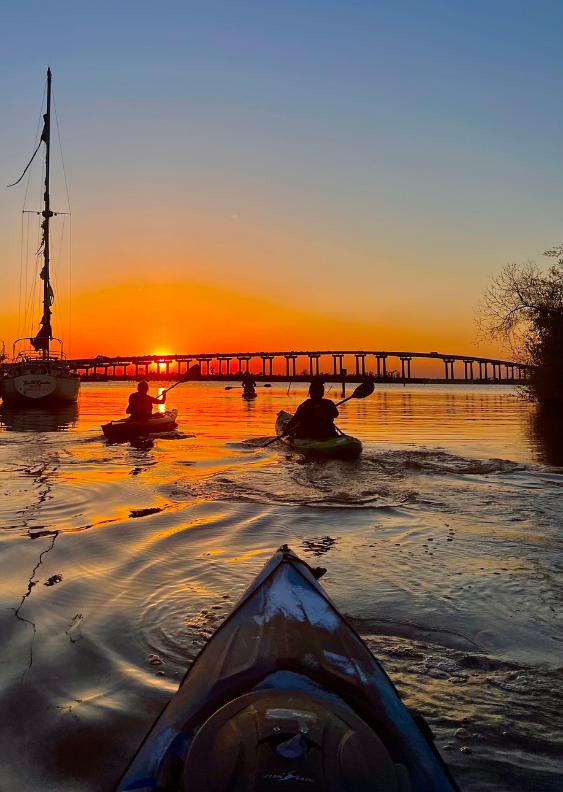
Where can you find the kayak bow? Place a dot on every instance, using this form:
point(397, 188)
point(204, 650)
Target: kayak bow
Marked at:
point(285, 690)
point(341, 446)
point(124, 429)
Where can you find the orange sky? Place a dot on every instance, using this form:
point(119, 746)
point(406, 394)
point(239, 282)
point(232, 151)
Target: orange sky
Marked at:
point(190, 318)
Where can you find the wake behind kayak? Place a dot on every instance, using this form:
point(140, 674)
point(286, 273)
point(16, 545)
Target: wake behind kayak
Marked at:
point(286, 691)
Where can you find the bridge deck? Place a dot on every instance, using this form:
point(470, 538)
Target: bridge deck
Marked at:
point(219, 365)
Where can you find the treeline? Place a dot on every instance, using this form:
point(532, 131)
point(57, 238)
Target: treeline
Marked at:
point(522, 308)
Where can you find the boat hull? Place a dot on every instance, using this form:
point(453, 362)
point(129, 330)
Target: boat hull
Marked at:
point(285, 641)
point(121, 431)
point(339, 447)
point(35, 390)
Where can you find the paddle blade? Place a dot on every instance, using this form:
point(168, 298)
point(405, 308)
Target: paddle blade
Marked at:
point(267, 385)
point(363, 390)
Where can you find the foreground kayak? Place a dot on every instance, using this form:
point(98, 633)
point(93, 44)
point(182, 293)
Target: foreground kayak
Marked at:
point(249, 395)
point(286, 691)
point(342, 446)
point(126, 428)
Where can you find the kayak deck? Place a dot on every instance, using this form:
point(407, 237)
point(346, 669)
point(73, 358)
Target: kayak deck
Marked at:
point(282, 664)
point(342, 446)
point(161, 422)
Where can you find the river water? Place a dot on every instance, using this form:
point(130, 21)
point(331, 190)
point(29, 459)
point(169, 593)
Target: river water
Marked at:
point(443, 545)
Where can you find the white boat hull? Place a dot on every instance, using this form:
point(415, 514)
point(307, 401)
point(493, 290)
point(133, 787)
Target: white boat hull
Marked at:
point(37, 389)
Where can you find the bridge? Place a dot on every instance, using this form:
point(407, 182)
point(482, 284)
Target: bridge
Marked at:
point(230, 366)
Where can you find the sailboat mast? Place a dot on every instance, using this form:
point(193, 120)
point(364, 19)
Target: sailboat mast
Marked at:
point(47, 214)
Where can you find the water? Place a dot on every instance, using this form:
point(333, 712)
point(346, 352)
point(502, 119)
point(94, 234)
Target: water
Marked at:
point(442, 543)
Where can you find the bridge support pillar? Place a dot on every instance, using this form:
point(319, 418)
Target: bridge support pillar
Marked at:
point(381, 365)
point(468, 366)
point(269, 359)
point(449, 366)
point(227, 362)
point(201, 361)
point(337, 364)
point(289, 358)
point(314, 357)
point(246, 360)
point(406, 360)
point(360, 360)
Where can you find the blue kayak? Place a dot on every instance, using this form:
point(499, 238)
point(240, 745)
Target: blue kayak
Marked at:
point(285, 695)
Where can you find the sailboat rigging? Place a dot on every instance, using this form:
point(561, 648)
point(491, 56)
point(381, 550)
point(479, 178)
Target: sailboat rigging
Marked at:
point(40, 375)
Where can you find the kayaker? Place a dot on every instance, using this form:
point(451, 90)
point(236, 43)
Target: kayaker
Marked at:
point(314, 418)
point(248, 383)
point(140, 403)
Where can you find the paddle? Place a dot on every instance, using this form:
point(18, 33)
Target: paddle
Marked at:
point(184, 378)
point(234, 387)
point(361, 392)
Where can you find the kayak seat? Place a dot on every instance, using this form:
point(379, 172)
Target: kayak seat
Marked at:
point(264, 737)
point(170, 776)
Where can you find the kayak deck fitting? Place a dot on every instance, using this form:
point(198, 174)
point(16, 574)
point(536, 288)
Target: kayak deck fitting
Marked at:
point(341, 446)
point(286, 691)
point(125, 428)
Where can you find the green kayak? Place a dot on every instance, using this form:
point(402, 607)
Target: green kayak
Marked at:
point(340, 447)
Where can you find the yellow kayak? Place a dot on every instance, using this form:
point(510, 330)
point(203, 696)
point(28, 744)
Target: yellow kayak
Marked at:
point(340, 447)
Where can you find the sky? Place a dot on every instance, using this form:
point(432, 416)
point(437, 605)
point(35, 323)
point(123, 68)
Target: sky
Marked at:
point(275, 174)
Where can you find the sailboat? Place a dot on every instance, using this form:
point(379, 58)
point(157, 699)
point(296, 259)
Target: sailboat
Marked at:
point(38, 374)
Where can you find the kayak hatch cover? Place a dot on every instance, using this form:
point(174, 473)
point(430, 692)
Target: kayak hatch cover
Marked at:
point(286, 691)
point(340, 446)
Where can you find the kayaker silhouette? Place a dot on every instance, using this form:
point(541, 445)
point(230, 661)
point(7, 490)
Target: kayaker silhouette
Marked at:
point(248, 383)
point(314, 418)
point(140, 403)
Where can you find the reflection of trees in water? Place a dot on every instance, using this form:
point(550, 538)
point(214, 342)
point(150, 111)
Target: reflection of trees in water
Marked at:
point(546, 434)
point(39, 419)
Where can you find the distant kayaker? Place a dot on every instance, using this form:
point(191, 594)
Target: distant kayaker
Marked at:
point(314, 418)
point(248, 383)
point(140, 403)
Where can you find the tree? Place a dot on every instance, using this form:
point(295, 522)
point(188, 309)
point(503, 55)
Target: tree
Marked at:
point(522, 308)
